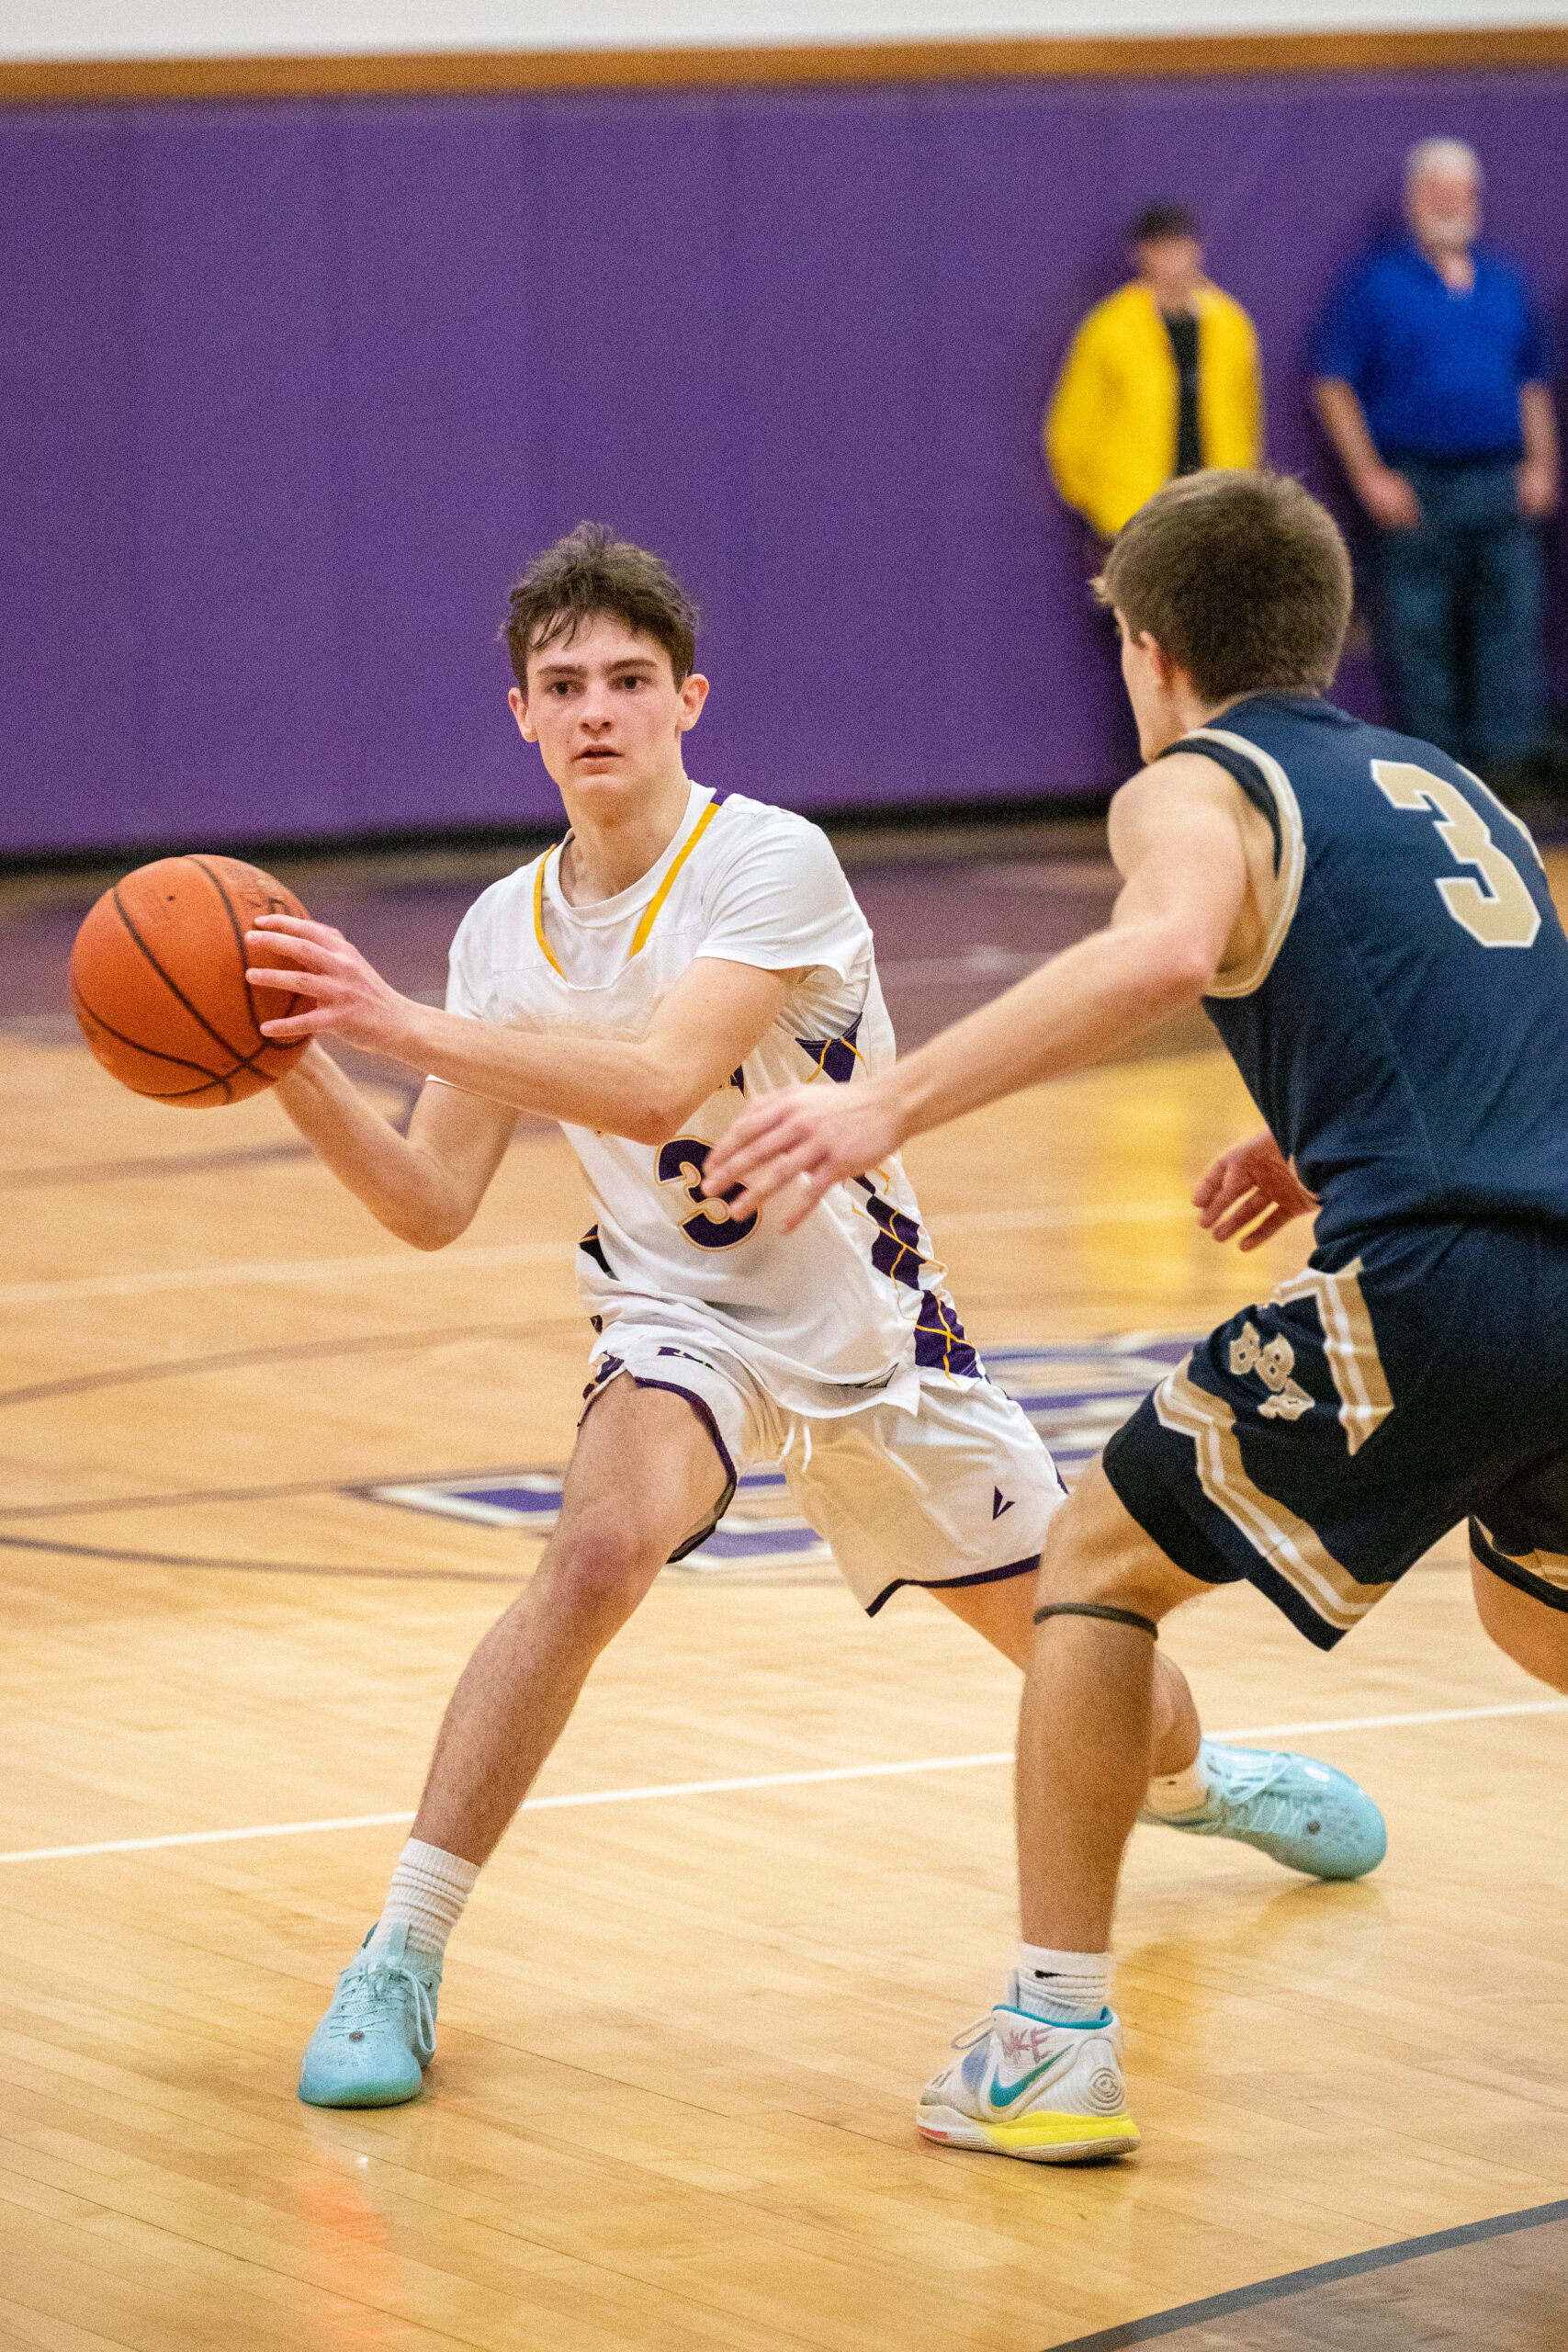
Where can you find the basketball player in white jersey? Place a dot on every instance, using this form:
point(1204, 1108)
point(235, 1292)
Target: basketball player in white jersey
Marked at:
point(680, 953)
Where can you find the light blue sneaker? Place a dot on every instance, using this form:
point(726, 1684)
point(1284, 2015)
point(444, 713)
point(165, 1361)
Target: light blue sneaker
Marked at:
point(379, 2036)
point(1291, 1808)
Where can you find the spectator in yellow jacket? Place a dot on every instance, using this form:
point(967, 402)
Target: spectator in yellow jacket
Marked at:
point(1161, 378)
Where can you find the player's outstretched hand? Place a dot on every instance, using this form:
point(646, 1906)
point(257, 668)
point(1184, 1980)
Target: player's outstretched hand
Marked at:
point(311, 959)
point(1251, 1181)
point(806, 1137)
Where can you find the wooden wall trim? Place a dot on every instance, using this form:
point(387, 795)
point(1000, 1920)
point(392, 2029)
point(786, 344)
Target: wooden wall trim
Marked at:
point(99, 81)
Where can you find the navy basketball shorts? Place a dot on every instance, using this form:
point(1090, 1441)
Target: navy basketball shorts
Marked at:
point(1317, 1444)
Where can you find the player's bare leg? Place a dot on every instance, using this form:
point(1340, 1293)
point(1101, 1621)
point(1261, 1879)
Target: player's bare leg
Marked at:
point(644, 1476)
point(1088, 1716)
point(1041, 2078)
point(1003, 1614)
point(1534, 1635)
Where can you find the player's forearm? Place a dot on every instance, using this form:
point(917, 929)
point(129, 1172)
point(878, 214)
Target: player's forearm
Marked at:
point(618, 1087)
point(1070, 1014)
point(403, 1188)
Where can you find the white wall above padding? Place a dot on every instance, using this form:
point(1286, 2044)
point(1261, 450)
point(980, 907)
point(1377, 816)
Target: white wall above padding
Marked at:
point(107, 28)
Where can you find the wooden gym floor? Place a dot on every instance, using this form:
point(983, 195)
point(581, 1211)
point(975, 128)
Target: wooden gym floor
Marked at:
point(681, 2030)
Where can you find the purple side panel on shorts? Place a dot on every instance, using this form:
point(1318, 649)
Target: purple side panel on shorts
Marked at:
point(704, 1412)
point(950, 1584)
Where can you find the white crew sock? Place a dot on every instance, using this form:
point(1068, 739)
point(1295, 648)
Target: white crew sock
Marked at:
point(1062, 1987)
point(429, 1889)
point(1174, 1793)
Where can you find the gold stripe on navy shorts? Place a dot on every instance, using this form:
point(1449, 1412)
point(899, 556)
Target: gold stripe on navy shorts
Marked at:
point(1289, 1545)
point(1349, 1345)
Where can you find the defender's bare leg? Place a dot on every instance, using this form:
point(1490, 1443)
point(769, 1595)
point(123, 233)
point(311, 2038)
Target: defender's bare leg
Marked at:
point(1087, 1718)
point(1044, 2082)
point(1528, 1630)
point(1003, 1614)
point(643, 1476)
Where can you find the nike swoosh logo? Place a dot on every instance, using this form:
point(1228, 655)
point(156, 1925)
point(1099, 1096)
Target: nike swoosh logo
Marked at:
point(998, 1505)
point(1005, 2099)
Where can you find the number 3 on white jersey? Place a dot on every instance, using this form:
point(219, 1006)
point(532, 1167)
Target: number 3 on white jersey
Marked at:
point(1497, 911)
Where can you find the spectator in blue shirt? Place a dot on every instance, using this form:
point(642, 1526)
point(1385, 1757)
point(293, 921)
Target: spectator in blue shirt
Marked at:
point(1431, 381)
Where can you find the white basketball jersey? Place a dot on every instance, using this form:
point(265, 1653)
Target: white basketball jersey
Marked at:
point(835, 1316)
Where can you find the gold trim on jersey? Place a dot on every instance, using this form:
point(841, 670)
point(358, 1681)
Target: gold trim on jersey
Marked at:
point(1552, 1567)
point(1286, 894)
point(546, 950)
point(650, 913)
point(1350, 1345)
point(1289, 1545)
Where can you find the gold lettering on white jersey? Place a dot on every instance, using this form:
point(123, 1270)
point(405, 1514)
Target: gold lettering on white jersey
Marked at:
point(1498, 910)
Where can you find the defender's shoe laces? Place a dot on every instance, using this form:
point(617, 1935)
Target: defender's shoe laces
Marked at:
point(1249, 1796)
point(367, 1995)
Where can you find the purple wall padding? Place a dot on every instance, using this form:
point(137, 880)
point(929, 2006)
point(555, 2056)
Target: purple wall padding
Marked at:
point(290, 391)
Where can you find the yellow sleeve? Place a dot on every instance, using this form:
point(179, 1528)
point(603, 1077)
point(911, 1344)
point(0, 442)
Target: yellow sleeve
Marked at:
point(1074, 419)
point(1252, 390)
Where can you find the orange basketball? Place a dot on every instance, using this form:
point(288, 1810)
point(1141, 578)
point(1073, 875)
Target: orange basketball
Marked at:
point(158, 982)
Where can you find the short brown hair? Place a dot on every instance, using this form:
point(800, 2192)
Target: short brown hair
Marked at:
point(1157, 221)
point(1242, 579)
point(589, 572)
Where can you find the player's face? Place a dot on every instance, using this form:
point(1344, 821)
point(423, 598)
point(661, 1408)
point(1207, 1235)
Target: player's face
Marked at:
point(604, 708)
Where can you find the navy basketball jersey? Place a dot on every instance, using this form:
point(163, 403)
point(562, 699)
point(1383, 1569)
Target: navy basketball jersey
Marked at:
point(1404, 1028)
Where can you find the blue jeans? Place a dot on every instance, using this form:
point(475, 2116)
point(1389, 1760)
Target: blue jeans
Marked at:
point(1461, 610)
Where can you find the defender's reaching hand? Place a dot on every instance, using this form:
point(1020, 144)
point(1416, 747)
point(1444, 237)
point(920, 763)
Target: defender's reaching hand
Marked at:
point(311, 959)
point(1252, 1179)
point(807, 1138)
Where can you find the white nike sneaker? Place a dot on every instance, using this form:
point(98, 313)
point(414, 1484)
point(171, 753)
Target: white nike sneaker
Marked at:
point(1051, 2094)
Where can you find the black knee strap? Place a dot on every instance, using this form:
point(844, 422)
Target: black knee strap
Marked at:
point(1093, 1608)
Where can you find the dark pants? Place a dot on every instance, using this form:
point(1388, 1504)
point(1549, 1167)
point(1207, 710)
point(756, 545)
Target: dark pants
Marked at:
point(1461, 606)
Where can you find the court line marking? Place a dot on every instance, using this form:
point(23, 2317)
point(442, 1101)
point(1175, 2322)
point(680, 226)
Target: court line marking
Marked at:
point(286, 1270)
point(88, 1384)
point(512, 1253)
point(756, 1780)
point(1322, 2274)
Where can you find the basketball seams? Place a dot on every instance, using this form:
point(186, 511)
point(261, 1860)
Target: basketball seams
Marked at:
point(222, 889)
point(175, 990)
point(153, 1053)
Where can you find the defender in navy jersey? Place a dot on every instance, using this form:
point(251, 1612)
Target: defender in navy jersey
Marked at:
point(1403, 1032)
point(1371, 931)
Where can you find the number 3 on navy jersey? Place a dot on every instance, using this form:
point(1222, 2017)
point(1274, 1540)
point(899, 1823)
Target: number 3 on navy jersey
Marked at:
point(1498, 910)
point(712, 1227)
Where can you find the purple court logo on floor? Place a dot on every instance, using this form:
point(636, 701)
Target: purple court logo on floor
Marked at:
point(1074, 1396)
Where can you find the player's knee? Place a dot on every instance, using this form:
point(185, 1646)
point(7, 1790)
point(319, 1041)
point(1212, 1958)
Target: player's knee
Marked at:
point(1526, 1630)
point(601, 1570)
point(1096, 1552)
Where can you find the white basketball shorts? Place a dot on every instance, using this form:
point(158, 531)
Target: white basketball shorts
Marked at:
point(956, 1493)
